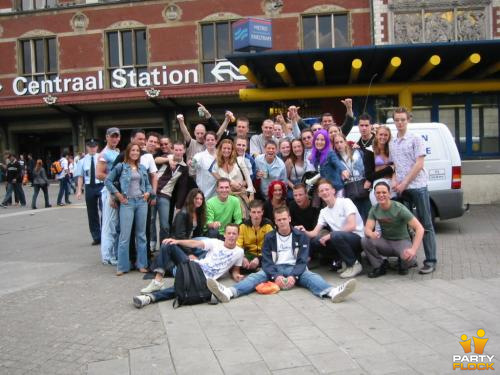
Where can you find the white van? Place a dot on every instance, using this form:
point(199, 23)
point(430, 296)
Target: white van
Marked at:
point(442, 164)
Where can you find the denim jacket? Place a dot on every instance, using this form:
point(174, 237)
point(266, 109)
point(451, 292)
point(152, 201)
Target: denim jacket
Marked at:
point(123, 171)
point(331, 169)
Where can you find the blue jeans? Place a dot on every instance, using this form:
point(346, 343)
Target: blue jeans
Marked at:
point(420, 198)
point(163, 205)
point(109, 228)
point(153, 235)
point(63, 190)
point(346, 245)
point(135, 210)
point(310, 280)
point(14, 187)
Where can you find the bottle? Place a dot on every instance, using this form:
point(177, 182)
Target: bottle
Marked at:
point(231, 116)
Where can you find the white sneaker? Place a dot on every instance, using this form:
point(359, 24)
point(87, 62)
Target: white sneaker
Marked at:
point(343, 268)
point(222, 293)
point(352, 271)
point(339, 293)
point(153, 286)
point(141, 301)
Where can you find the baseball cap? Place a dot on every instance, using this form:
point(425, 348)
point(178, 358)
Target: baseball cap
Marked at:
point(92, 142)
point(111, 131)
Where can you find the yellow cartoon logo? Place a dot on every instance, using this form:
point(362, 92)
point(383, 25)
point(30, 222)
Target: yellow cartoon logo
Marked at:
point(476, 361)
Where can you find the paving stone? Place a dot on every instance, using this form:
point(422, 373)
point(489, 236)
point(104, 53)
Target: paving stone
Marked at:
point(255, 368)
point(151, 360)
point(296, 371)
point(112, 367)
point(334, 361)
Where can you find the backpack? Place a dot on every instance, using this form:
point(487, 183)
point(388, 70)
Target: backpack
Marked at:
point(190, 285)
point(56, 167)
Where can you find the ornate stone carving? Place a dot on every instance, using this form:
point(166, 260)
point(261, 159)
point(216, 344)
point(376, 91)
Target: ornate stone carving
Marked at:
point(126, 24)
point(409, 5)
point(172, 13)
point(272, 7)
point(79, 22)
point(324, 9)
point(221, 16)
point(37, 32)
point(408, 28)
point(438, 26)
point(471, 25)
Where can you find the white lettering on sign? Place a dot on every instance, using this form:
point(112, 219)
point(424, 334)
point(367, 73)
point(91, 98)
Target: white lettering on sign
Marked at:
point(226, 67)
point(120, 78)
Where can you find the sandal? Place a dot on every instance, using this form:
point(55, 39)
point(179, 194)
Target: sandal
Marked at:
point(143, 270)
point(120, 273)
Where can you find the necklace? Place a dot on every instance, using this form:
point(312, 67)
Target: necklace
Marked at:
point(284, 239)
point(365, 144)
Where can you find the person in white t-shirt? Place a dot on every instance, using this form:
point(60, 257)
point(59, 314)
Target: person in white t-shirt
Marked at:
point(345, 229)
point(201, 164)
point(63, 178)
point(218, 258)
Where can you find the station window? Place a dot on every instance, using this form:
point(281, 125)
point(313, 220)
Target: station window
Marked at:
point(39, 58)
point(127, 50)
point(325, 31)
point(216, 43)
point(35, 4)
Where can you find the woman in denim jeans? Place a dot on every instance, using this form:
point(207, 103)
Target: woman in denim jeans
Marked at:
point(135, 191)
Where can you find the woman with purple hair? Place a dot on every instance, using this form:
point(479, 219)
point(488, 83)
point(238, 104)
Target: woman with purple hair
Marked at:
point(326, 162)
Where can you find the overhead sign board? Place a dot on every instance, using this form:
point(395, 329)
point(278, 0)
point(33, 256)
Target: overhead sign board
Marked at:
point(252, 34)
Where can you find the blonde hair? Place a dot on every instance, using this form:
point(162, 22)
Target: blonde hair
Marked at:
point(232, 157)
point(376, 147)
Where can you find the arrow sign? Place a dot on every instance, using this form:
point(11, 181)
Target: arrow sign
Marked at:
point(226, 67)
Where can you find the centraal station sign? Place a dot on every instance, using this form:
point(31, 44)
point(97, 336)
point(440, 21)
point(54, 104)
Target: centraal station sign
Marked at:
point(122, 78)
point(119, 79)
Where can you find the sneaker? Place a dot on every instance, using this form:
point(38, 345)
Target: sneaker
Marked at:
point(352, 271)
point(377, 272)
point(222, 293)
point(3, 205)
point(141, 301)
point(153, 286)
point(427, 268)
point(61, 204)
point(339, 293)
point(342, 268)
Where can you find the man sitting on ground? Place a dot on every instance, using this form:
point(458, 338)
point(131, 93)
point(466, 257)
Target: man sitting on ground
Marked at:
point(284, 261)
point(394, 219)
point(252, 232)
point(346, 229)
point(219, 259)
point(301, 209)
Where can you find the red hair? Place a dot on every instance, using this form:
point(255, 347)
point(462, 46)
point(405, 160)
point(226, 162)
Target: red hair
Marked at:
point(270, 189)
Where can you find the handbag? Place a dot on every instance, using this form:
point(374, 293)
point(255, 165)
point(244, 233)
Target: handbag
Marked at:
point(356, 189)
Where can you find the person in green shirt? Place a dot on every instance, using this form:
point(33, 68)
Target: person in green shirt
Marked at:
point(394, 219)
point(222, 209)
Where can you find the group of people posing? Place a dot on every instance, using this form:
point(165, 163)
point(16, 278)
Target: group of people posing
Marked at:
point(261, 208)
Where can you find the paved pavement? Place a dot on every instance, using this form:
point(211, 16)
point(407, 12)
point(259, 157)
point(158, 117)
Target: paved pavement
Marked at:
point(64, 313)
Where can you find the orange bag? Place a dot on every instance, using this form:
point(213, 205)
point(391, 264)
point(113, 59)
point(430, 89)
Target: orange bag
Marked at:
point(268, 287)
point(25, 179)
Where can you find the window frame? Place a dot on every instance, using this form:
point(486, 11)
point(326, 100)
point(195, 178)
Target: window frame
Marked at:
point(46, 58)
point(215, 60)
point(332, 24)
point(134, 66)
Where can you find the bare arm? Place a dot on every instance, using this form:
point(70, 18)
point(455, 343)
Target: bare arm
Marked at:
point(350, 223)
point(370, 229)
point(311, 234)
point(101, 170)
point(419, 235)
point(235, 274)
point(224, 125)
point(187, 243)
point(184, 129)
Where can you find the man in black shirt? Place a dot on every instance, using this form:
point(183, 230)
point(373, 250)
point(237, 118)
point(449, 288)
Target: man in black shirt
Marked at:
point(13, 172)
point(301, 210)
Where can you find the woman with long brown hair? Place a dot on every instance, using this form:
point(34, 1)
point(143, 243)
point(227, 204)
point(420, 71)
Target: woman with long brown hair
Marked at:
point(229, 165)
point(134, 195)
point(383, 167)
point(189, 223)
point(40, 181)
point(296, 166)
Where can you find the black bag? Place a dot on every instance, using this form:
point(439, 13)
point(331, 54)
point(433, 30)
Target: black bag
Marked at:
point(190, 285)
point(356, 190)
